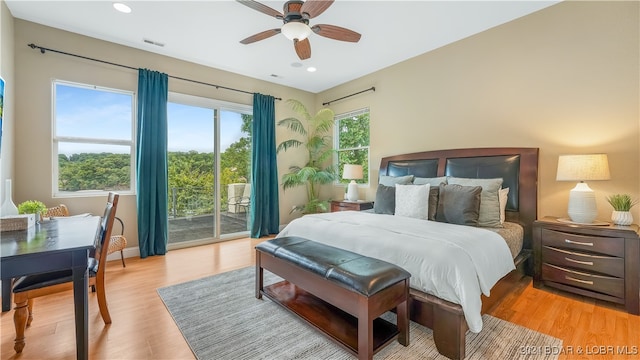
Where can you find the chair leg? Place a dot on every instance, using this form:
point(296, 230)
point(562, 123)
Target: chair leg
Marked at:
point(122, 257)
point(30, 307)
point(20, 321)
point(102, 299)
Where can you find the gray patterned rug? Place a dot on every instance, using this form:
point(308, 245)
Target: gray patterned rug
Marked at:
point(220, 318)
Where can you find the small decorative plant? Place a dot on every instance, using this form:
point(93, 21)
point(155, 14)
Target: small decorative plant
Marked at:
point(621, 202)
point(32, 207)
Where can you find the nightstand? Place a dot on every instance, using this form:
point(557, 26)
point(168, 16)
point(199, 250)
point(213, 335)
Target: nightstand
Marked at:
point(345, 205)
point(601, 262)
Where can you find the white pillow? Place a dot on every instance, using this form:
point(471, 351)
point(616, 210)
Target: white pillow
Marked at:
point(412, 201)
point(502, 197)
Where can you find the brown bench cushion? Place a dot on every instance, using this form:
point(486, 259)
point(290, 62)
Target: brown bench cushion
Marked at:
point(352, 271)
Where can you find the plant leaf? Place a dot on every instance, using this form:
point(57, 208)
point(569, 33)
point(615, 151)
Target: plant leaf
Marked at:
point(299, 107)
point(287, 144)
point(294, 125)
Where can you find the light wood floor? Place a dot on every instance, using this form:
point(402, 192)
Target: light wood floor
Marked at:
point(143, 329)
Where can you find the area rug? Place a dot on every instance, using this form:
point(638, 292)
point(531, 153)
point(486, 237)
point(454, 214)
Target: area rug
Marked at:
point(220, 318)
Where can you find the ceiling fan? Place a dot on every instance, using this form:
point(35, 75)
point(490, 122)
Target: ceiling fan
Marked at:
point(296, 15)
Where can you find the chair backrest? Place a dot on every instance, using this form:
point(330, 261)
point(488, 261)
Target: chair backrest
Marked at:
point(104, 235)
point(247, 191)
point(60, 210)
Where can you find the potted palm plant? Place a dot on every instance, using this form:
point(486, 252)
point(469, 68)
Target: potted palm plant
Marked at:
point(314, 136)
point(622, 204)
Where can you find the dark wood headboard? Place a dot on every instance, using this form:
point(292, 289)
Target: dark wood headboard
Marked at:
point(518, 167)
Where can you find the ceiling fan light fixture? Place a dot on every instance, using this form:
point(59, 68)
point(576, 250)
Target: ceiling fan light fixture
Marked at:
point(296, 30)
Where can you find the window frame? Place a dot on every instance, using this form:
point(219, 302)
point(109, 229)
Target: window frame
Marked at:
point(336, 136)
point(55, 140)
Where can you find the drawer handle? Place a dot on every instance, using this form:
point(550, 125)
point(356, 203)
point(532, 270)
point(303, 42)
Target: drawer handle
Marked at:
point(579, 262)
point(588, 282)
point(578, 242)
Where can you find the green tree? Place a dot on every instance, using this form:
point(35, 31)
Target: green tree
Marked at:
point(316, 140)
point(353, 144)
point(90, 171)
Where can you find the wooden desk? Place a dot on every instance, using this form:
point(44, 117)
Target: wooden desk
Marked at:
point(53, 245)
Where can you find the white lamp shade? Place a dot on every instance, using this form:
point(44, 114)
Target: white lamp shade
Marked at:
point(296, 30)
point(582, 200)
point(583, 167)
point(352, 172)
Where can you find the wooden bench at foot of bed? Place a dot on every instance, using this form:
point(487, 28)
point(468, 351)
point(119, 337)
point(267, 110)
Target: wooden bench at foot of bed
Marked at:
point(339, 292)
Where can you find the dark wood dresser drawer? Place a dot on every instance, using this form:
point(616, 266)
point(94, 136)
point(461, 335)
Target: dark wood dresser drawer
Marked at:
point(604, 245)
point(598, 261)
point(599, 283)
point(602, 264)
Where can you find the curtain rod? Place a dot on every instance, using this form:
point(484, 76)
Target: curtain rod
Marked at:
point(43, 49)
point(373, 88)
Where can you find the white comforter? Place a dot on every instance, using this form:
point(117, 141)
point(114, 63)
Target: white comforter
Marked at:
point(453, 262)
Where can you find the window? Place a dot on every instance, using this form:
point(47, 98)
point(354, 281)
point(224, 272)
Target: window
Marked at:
point(352, 142)
point(92, 139)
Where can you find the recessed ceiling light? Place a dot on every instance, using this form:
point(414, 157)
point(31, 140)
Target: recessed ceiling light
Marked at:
point(122, 7)
point(311, 69)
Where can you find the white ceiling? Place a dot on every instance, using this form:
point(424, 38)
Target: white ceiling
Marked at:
point(208, 33)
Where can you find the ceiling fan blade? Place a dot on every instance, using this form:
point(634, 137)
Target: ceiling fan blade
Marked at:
point(262, 8)
point(336, 32)
point(260, 36)
point(303, 48)
point(315, 7)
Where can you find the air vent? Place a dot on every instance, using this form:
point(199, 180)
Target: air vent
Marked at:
point(153, 42)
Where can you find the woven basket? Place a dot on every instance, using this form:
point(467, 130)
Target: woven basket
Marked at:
point(17, 222)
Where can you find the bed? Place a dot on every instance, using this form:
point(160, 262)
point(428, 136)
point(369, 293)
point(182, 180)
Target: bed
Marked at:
point(451, 308)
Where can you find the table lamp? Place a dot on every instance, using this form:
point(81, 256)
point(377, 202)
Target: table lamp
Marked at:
point(352, 172)
point(582, 200)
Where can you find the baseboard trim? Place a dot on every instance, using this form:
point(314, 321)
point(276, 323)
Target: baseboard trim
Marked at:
point(127, 252)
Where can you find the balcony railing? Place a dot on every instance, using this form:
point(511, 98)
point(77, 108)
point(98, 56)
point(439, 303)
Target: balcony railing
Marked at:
point(191, 214)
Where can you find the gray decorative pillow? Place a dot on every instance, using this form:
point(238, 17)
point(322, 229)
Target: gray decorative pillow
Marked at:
point(385, 200)
point(412, 201)
point(459, 204)
point(393, 180)
point(434, 182)
point(434, 190)
point(490, 203)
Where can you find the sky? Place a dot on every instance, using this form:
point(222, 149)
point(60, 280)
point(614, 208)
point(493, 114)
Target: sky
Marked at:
point(83, 112)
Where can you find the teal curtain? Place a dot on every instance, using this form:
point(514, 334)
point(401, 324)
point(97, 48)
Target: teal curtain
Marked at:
point(265, 209)
point(151, 163)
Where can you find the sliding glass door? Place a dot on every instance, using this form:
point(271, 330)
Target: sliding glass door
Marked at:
point(209, 154)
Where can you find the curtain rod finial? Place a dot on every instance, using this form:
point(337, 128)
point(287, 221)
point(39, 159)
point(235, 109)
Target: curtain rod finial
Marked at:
point(34, 46)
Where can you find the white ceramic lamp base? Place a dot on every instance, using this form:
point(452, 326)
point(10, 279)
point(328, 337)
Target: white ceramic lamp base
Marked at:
point(582, 204)
point(352, 191)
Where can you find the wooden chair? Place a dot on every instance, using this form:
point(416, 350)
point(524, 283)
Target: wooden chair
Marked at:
point(60, 210)
point(118, 242)
point(30, 287)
